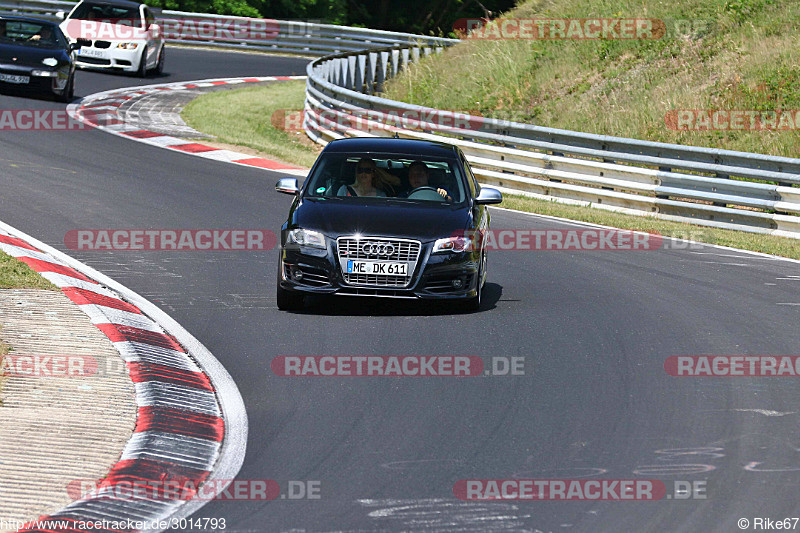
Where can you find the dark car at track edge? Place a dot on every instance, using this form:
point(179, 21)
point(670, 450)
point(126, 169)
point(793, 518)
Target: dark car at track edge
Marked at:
point(36, 57)
point(406, 241)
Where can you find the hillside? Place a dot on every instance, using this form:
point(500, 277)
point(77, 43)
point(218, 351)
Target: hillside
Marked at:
point(715, 54)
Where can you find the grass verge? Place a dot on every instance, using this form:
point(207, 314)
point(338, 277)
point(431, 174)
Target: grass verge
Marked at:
point(716, 54)
point(248, 117)
point(14, 274)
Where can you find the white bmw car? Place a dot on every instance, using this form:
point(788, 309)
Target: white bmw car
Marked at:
point(117, 35)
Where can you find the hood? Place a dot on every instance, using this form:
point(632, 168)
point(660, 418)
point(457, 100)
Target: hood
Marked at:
point(29, 56)
point(396, 218)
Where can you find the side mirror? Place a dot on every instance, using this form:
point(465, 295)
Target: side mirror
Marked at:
point(488, 196)
point(60, 15)
point(287, 186)
point(74, 46)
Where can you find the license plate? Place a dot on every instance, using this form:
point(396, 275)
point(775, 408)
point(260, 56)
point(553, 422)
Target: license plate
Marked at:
point(91, 52)
point(11, 78)
point(376, 267)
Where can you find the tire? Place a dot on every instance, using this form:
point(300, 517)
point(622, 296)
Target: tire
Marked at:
point(474, 304)
point(142, 72)
point(160, 63)
point(69, 91)
point(289, 300)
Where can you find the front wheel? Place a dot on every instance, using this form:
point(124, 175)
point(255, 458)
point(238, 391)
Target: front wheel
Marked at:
point(69, 91)
point(289, 300)
point(142, 72)
point(160, 64)
point(474, 304)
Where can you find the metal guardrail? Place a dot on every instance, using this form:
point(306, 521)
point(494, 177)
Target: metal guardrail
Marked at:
point(706, 186)
point(714, 187)
point(283, 36)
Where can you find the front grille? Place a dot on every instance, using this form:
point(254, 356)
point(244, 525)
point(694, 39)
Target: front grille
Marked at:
point(102, 44)
point(402, 250)
point(94, 60)
point(85, 42)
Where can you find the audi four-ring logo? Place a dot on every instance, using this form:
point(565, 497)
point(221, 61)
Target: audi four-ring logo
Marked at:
point(378, 248)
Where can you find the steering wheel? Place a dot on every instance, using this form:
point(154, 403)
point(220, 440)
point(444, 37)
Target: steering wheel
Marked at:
point(425, 193)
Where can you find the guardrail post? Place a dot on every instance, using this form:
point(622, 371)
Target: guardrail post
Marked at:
point(383, 59)
point(360, 73)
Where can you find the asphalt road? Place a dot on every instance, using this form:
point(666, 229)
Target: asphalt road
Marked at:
point(594, 328)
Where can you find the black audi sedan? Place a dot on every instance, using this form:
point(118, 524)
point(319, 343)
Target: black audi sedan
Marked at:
point(36, 57)
point(384, 217)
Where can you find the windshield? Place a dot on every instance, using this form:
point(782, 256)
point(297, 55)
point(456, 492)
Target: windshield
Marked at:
point(124, 16)
point(23, 33)
point(390, 176)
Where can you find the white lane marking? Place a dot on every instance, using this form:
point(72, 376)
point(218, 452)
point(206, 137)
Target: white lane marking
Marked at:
point(788, 303)
point(764, 412)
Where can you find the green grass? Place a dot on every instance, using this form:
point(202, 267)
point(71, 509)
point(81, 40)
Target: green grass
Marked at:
point(736, 239)
point(735, 55)
point(15, 274)
point(244, 117)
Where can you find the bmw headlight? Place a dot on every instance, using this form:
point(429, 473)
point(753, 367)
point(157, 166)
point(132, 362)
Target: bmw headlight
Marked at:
point(453, 244)
point(128, 46)
point(45, 73)
point(305, 237)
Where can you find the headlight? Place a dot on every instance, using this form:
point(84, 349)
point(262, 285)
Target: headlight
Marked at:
point(50, 61)
point(306, 237)
point(45, 73)
point(453, 244)
point(128, 46)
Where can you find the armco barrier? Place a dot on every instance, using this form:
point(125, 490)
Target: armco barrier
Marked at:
point(285, 36)
point(692, 184)
point(684, 183)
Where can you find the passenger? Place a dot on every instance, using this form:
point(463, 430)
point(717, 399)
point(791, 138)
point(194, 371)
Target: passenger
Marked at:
point(418, 177)
point(370, 181)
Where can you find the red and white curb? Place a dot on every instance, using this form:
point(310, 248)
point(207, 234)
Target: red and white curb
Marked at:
point(191, 425)
point(100, 110)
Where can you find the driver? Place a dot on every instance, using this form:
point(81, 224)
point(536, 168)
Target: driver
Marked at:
point(418, 177)
point(44, 35)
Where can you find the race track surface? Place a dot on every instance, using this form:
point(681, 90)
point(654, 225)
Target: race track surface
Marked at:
point(594, 327)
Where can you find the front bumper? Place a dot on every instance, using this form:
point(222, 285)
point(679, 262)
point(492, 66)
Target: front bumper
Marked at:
point(320, 273)
point(36, 84)
point(112, 59)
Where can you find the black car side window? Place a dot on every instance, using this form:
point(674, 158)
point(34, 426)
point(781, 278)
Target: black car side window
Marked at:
point(474, 186)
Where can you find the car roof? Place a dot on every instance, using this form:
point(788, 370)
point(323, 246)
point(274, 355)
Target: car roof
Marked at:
point(391, 146)
point(118, 3)
point(29, 19)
